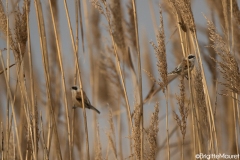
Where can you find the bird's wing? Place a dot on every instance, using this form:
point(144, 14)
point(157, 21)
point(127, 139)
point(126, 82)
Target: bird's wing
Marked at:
point(86, 100)
point(79, 97)
point(87, 103)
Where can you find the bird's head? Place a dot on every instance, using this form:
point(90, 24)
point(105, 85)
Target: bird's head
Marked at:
point(75, 88)
point(191, 58)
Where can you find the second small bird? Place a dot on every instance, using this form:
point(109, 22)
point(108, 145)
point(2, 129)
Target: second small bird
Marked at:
point(77, 99)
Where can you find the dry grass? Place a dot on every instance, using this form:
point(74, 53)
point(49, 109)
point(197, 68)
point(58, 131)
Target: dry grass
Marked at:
point(107, 51)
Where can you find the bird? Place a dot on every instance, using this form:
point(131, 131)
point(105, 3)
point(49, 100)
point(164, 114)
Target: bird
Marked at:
point(181, 69)
point(77, 99)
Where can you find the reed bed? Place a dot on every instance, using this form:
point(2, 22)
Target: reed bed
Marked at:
point(46, 47)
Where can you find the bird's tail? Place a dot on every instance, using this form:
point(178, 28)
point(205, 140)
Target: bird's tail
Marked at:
point(93, 108)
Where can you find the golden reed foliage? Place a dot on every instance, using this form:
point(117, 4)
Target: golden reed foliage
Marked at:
point(201, 115)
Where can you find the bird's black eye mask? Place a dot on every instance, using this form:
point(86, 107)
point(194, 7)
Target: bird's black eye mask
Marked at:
point(190, 57)
point(74, 87)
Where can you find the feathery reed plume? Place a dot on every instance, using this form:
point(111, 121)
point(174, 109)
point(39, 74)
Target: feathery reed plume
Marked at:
point(200, 97)
point(98, 148)
point(106, 12)
point(20, 30)
point(160, 52)
point(117, 27)
point(148, 64)
point(211, 64)
point(200, 110)
point(152, 134)
point(111, 134)
point(6, 30)
point(95, 29)
point(99, 7)
point(228, 66)
point(236, 12)
point(110, 75)
point(184, 11)
point(182, 120)
point(217, 9)
point(131, 26)
point(137, 132)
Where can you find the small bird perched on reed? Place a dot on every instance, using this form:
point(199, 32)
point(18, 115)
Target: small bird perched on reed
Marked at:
point(182, 69)
point(77, 99)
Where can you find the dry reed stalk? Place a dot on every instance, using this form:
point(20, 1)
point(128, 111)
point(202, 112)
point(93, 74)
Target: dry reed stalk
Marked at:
point(12, 106)
point(27, 110)
point(98, 154)
point(63, 76)
point(152, 133)
point(213, 137)
point(193, 39)
point(112, 91)
point(228, 67)
point(201, 113)
point(54, 68)
point(94, 20)
point(43, 45)
point(182, 120)
point(34, 108)
point(81, 25)
point(8, 79)
point(78, 68)
point(111, 135)
point(139, 75)
point(43, 138)
point(77, 10)
point(2, 142)
point(120, 144)
point(106, 13)
point(160, 52)
point(235, 95)
point(9, 120)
